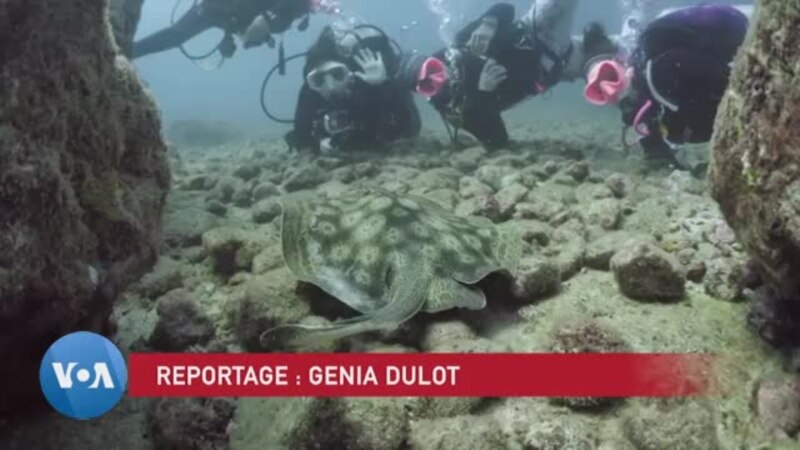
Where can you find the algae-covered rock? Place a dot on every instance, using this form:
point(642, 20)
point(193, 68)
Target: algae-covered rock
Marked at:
point(216, 207)
point(647, 273)
point(570, 248)
point(605, 213)
point(225, 189)
point(774, 319)
point(579, 171)
point(619, 184)
point(124, 16)
point(181, 324)
point(469, 187)
point(269, 300)
point(777, 404)
point(585, 335)
point(233, 249)
point(538, 209)
point(165, 276)
point(185, 227)
point(687, 425)
point(457, 433)
point(533, 232)
point(305, 177)
point(561, 433)
point(269, 259)
point(445, 197)
point(265, 190)
point(243, 197)
point(83, 179)
point(536, 278)
point(725, 279)
point(484, 206)
point(189, 423)
point(304, 423)
point(492, 175)
point(439, 335)
point(266, 211)
point(446, 337)
point(600, 251)
point(441, 178)
point(469, 159)
point(247, 172)
point(755, 168)
point(508, 197)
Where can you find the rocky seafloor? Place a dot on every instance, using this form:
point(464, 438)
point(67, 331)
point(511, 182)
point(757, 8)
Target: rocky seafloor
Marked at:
point(619, 256)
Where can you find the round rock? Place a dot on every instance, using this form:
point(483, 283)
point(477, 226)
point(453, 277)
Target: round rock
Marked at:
point(644, 272)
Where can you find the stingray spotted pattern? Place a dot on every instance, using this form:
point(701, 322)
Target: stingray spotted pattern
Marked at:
point(387, 256)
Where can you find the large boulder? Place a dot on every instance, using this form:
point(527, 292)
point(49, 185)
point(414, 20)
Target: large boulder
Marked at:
point(755, 170)
point(83, 180)
point(124, 16)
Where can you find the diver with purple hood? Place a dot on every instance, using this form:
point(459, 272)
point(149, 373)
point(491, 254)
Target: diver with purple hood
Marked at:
point(671, 84)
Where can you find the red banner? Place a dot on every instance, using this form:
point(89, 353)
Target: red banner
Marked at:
point(419, 375)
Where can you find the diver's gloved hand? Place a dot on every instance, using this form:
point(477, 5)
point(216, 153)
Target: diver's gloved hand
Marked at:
point(326, 146)
point(227, 47)
point(492, 76)
point(482, 37)
point(372, 66)
point(257, 33)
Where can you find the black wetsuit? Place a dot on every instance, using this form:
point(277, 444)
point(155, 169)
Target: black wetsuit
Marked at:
point(689, 52)
point(232, 16)
point(369, 117)
point(514, 47)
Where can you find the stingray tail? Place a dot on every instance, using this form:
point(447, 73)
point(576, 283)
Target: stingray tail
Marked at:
point(407, 296)
point(299, 337)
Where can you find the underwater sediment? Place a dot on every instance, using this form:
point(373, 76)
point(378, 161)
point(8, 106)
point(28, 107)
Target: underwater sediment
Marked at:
point(83, 180)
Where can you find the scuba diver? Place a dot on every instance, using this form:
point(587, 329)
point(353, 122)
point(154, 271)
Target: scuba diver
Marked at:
point(254, 20)
point(498, 61)
point(351, 98)
point(671, 84)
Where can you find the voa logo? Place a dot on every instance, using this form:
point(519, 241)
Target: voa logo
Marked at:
point(64, 376)
point(83, 375)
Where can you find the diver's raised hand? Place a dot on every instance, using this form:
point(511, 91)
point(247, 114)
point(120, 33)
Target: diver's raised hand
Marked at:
point(492, 76)
point(482, 37)
point(257, 33)
point(372, 66)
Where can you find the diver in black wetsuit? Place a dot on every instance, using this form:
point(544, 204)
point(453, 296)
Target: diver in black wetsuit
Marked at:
point(352, 98)
point(498, 61)
point(670, 87)
point(255, 20)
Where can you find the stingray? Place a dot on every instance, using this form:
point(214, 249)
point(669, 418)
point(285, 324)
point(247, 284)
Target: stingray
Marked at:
point(387, 256)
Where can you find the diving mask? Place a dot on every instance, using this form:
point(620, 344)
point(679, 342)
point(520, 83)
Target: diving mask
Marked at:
point(329, 78)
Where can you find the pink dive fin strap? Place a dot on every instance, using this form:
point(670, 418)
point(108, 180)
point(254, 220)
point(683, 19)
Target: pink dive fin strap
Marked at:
point(638, 126)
